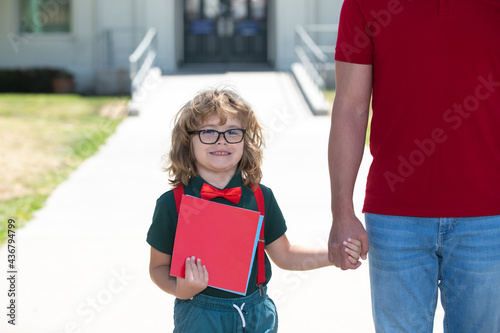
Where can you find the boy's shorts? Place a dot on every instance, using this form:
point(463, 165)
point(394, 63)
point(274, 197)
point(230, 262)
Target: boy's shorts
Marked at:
point(209, 314)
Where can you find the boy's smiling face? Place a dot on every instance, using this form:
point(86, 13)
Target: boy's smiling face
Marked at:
point(217, 161)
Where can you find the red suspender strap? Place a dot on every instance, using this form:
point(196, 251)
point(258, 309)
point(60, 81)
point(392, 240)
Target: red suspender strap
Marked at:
point(178, 192)
point(261, 263)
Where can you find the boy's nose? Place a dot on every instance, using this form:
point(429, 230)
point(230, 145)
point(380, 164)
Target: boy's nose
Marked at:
point(221, 139)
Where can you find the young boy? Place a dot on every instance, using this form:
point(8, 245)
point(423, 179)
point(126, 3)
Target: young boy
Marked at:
point(217, 145)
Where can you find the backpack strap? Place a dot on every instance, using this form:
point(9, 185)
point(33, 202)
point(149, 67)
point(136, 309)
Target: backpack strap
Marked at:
point(261, 262)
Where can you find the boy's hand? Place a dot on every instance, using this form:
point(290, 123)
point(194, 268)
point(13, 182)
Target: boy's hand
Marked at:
point(353, 248)
point(195, 281)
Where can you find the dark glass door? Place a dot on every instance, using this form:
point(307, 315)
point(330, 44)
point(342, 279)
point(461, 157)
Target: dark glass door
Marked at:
point(225, 30)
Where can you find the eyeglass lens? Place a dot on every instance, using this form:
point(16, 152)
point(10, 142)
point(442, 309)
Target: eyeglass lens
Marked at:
point(212, 136)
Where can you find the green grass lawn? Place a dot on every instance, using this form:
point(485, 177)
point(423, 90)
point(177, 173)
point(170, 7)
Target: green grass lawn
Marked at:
point(330, 96)
point(43, 139)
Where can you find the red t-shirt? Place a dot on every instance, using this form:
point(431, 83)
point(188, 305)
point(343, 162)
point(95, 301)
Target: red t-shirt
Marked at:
point(435, 132)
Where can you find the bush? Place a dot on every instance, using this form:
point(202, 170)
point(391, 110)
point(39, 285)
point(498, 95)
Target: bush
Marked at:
point(34, 80)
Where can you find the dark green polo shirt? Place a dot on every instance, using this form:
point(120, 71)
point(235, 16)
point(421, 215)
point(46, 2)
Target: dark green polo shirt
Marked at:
point(161, 234)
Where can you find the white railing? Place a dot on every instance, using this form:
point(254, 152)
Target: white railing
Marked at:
point(315, 48)
point(141, 62)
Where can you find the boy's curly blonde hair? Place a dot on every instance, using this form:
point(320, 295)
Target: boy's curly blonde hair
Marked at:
point(224, 103)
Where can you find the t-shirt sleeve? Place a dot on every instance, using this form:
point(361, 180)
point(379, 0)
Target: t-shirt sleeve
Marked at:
point(354, 42)
point(274, 224)
point(161, 234)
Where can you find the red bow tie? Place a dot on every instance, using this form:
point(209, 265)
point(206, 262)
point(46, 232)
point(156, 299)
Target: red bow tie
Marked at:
point(232, 194)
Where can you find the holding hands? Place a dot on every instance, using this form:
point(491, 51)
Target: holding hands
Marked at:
point(348, 242)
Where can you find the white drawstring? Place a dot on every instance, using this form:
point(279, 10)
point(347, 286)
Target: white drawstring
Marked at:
point(240, 311)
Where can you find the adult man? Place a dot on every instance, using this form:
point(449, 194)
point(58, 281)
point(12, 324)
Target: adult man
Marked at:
point(432, 205)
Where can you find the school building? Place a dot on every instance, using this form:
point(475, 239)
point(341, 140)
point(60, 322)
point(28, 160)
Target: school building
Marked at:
point(93, 39)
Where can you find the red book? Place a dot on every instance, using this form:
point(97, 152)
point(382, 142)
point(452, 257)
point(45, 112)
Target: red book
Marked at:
point(223, 237)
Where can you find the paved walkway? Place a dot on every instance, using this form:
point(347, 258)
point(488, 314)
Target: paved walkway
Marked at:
point(83, 260)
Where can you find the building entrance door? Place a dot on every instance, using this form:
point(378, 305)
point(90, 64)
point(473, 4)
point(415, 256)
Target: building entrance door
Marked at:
point(225, 31)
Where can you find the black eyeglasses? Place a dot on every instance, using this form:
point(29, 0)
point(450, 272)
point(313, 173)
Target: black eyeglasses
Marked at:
point(210, 136)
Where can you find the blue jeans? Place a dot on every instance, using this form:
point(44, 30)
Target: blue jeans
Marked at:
point(411, 257)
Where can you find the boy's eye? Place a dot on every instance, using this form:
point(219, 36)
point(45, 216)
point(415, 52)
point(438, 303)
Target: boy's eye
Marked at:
point(210, 132)
point(233, 132)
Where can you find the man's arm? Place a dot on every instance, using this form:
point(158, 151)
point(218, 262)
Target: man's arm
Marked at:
point(345, 151)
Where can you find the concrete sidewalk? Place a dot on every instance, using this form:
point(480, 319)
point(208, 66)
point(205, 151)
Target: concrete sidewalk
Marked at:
point(83, 260)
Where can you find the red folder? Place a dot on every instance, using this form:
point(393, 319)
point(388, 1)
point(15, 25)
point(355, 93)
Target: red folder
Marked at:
point(223, 237)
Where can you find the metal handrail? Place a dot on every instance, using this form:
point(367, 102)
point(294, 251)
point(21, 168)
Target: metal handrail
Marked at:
point(141, 61)
point(314, 56)
point(306, 39)
point(310, 68)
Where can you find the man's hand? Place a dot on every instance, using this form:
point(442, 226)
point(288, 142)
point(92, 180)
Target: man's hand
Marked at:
point(340, 232)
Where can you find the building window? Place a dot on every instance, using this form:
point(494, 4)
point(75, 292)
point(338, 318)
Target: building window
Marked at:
point(45, 16)
point(259, 9)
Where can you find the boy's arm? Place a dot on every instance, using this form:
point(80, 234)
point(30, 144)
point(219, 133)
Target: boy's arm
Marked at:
point(159, 270)
point(295, 257)
point(300, 258)
point(195, 281)
point(345, 151)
